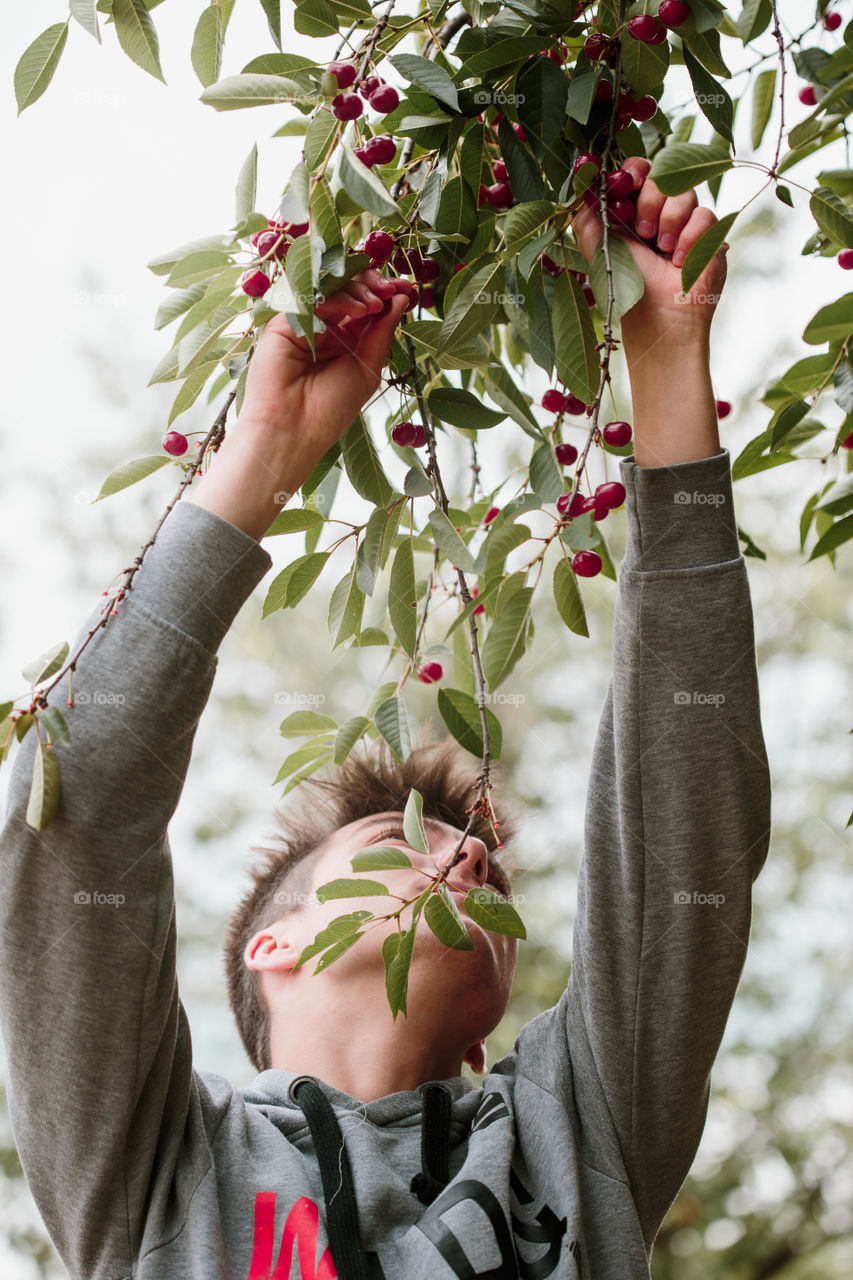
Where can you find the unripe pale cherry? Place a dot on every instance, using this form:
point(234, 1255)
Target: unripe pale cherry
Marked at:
point(611, 493)
point(175, 443)
point(586, 564)
point(384, 99)
point(553, 401)
point(673, 12)
point(430, 672)
point(566, 454)
point(617, 433)
point(347, 106)
point(845, 259)
point(382, 148)
point(344, 73)
point(499, 195)
point(620, 183)
point(723, 408)
point(254, 282)
point(807, 96)
point(644, 27)
point(831, 21)
point(380, 246)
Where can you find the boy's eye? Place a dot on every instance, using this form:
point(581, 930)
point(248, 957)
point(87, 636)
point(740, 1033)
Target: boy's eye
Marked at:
point(496, 879)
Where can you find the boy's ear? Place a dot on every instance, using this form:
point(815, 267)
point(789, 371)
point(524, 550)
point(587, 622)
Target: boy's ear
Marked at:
point(476, 1057)
point(265, 952)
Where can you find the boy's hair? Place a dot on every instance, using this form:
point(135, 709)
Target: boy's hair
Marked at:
point(282, 880)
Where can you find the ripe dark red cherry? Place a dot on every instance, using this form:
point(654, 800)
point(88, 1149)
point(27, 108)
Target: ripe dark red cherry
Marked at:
point(587, 291)
point(430, 672)
point(586, 564)
point(673, 12)
point(344, 73)
point(298, 229)
point(255, 283)
point(405, 261)
point(622, 211)
point(617, 433)
point(382, 149)
point(403, 433)
point(620, 183)
point(380, 246)
point(847, 442)
point(598, 508)
point(490, 515)
point(571, 404)
point(597, 46)
point(603, 91)
point(550, 265)
point(553, 401)
point(572, 508)
point(591, 200)
point(723, 408)
point(845, 259)
point(384, 99)
point(519, 132)
point(427, 270)
point(586, 157)
point(363, 155)
point(370, 85)
point(499, 195)
point(481, 608)
point(175, 443)
point(644, 27)
point(611, 493)
point(427, 296)
point(644, 108)
point(482, 195)
point(807, 96)
point(566, 454)
point(831, 21)
point(269, 241)
point(500, 171)
point(347, 106)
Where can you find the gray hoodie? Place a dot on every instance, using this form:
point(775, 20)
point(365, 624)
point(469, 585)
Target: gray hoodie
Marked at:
point(565, 1161)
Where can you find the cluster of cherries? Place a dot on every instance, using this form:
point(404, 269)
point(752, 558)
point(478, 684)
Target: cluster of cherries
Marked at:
point(621, 188)
point(377, 93)
point(273, 240)
point(499, 194)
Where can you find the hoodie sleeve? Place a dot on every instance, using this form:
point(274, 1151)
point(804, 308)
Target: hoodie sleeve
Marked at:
point(677, 828)
point(96, 1038)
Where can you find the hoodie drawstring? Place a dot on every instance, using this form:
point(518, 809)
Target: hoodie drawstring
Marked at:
point(336, 1174)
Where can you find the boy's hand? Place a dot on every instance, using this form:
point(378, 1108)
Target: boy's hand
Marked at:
point(673, 224)
point(294, 407)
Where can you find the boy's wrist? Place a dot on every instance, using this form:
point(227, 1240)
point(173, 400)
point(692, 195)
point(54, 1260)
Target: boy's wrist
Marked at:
point(674, 407)
point(247, 483)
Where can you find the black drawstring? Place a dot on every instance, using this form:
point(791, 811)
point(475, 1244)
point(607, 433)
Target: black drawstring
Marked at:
point(336, 1174)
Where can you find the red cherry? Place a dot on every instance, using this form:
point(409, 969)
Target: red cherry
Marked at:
point(420, 436)
point(611, 493)
point(566, 454)
point(499, 170)
point(174, 443)
point(586, 157)
point(269, 241)
point(723, 408)
point(572, 508)
point(403, 433)
point(597, 46)
point(347, 106)
point(622, 211)
point(384, 99)
point(481, 608)
point(430, 672)
point(519, 132)
point(603, 91)
point(298, 229)
point(620, 183)
point(254, 282)
point(617, 433)
point(571, 404)
point(586, 564)
point(490, 515)
point(645, 28)
point(807, 96)
point(643, 108)
point(344, 73)
point(845, 259)
point(483, 194)
point(553, 401)
point(427, 296)
point(382, 148)
point(405, 261)
point(673, 12)
point(623, 120)
point(380, 246)
point(363, 155)
point(499, 195)
point(550, 265)
point(591, 200)
point(847, 442)
point(598, 508)
point(369, 85)
point(831, 21)
point(427, 270)
point(587, 292)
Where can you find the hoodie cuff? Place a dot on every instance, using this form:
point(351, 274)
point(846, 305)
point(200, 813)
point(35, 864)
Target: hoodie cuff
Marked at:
point(680, 516)
point(198, 573)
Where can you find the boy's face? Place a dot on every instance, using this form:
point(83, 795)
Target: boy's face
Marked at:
point(462, 994)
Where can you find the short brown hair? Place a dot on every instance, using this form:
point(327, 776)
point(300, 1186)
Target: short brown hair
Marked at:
point(373, 782)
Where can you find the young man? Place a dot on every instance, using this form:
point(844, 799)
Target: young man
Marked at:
point(359, 1150)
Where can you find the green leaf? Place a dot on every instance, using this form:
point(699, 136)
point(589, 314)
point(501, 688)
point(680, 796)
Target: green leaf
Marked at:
point(505, 391)
point(402, 602)
point(337, 930)
point(462, 409)
point(392, 722)
point(644, 65)
point(37, 64)
point(525, 175)
point(137, 36)
point(191, 389)
point(362, 464)
point(247, 183)
point(543, 93)
point(754, 18)
point(711, 98)
point(841, 531)
point(568, 598)
point(198, 266)
point(252, 90)
point(682, 165)
point(574, 339)
point(704, 249)
point(628, 283)
point(350, 889)
point(163, 265)
point(44, 788)
point(316, 750)
point(546, 479)
point(365, 187)
point(494, 913)
point(457, 212)
point(305, 721)
point(451, 545)
point(348, 734)
point(86, 14)
point(413, 827)
point(500, 652)
point(416, 484)
point(762, 104)
point(461, 713)
point(131, 472)
point(379, 857)
point(206, 52)
point(832, 216)
point(272, 8)
point(305, 574)
point(832, 321)
point(428, 75)
point(47, 665)
point(523, 221)
point(345, 608)
point(295, 520)
point(397, 955)
point(179, 301)
point(318, 137)
point(443, 918)
point(55, 723)
point(315, 18)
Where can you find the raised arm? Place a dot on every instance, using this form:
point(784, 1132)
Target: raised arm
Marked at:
point(677, 819)
point(101, 1084)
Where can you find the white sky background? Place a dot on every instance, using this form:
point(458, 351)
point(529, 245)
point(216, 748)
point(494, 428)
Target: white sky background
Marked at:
point(111, 168)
